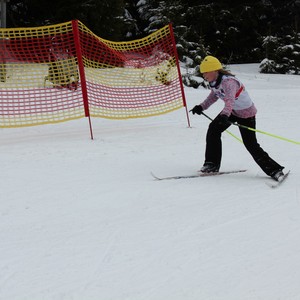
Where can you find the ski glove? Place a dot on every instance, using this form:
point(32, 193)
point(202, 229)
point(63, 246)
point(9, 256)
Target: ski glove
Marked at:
point(223, 120)
point(197, 110)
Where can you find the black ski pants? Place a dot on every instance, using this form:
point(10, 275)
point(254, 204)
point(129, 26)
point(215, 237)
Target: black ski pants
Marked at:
point(213, 151)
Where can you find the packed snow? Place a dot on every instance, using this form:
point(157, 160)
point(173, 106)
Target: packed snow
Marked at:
point(84, 219)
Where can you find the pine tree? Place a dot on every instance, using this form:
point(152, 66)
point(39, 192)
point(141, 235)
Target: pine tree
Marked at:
point(104, 17)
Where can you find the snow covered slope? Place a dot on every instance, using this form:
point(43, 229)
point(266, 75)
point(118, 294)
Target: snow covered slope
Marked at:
point(84, 220)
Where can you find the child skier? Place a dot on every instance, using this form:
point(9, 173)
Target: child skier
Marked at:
point(238, 108)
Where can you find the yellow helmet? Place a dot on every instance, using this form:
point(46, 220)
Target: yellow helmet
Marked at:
point(209, 64)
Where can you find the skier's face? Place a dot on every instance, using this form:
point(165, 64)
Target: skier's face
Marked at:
point(210, 76)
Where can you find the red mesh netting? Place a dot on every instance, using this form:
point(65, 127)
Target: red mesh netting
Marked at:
point(57, 73)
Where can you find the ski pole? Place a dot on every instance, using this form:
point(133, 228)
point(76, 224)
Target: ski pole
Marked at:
point(205, 115)
point(267, 133)
point(260, 131)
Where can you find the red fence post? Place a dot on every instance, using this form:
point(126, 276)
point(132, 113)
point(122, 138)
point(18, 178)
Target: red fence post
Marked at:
point(81, 73)
point(179, 73)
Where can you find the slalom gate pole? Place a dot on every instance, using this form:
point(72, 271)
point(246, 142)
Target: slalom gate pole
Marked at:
point(205, 115)
point(82, 74)
point(179, 74)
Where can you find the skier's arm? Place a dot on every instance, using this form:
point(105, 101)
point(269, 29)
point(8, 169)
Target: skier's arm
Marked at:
point(211, 99)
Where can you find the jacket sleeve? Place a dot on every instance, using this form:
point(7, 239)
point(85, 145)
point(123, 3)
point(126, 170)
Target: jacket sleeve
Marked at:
point(211, 99)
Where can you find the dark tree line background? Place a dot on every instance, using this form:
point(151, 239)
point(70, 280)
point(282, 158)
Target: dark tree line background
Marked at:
point(265, 31)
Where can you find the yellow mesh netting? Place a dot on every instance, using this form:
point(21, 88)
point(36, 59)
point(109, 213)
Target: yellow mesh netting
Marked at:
point(62, 72)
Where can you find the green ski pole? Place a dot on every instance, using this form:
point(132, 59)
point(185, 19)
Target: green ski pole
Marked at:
point(267, 133)
point(260, 131)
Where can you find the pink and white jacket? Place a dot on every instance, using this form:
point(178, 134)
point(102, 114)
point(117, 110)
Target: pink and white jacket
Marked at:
point(236, 98)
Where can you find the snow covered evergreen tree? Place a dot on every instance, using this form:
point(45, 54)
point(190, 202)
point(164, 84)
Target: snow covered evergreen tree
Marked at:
point(283, 55)
point(234, 32)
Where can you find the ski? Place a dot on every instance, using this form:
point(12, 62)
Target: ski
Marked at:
point(197, 175)
point(276, 184)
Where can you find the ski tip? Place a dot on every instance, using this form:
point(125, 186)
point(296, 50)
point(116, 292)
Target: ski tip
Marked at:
point(154, 176)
